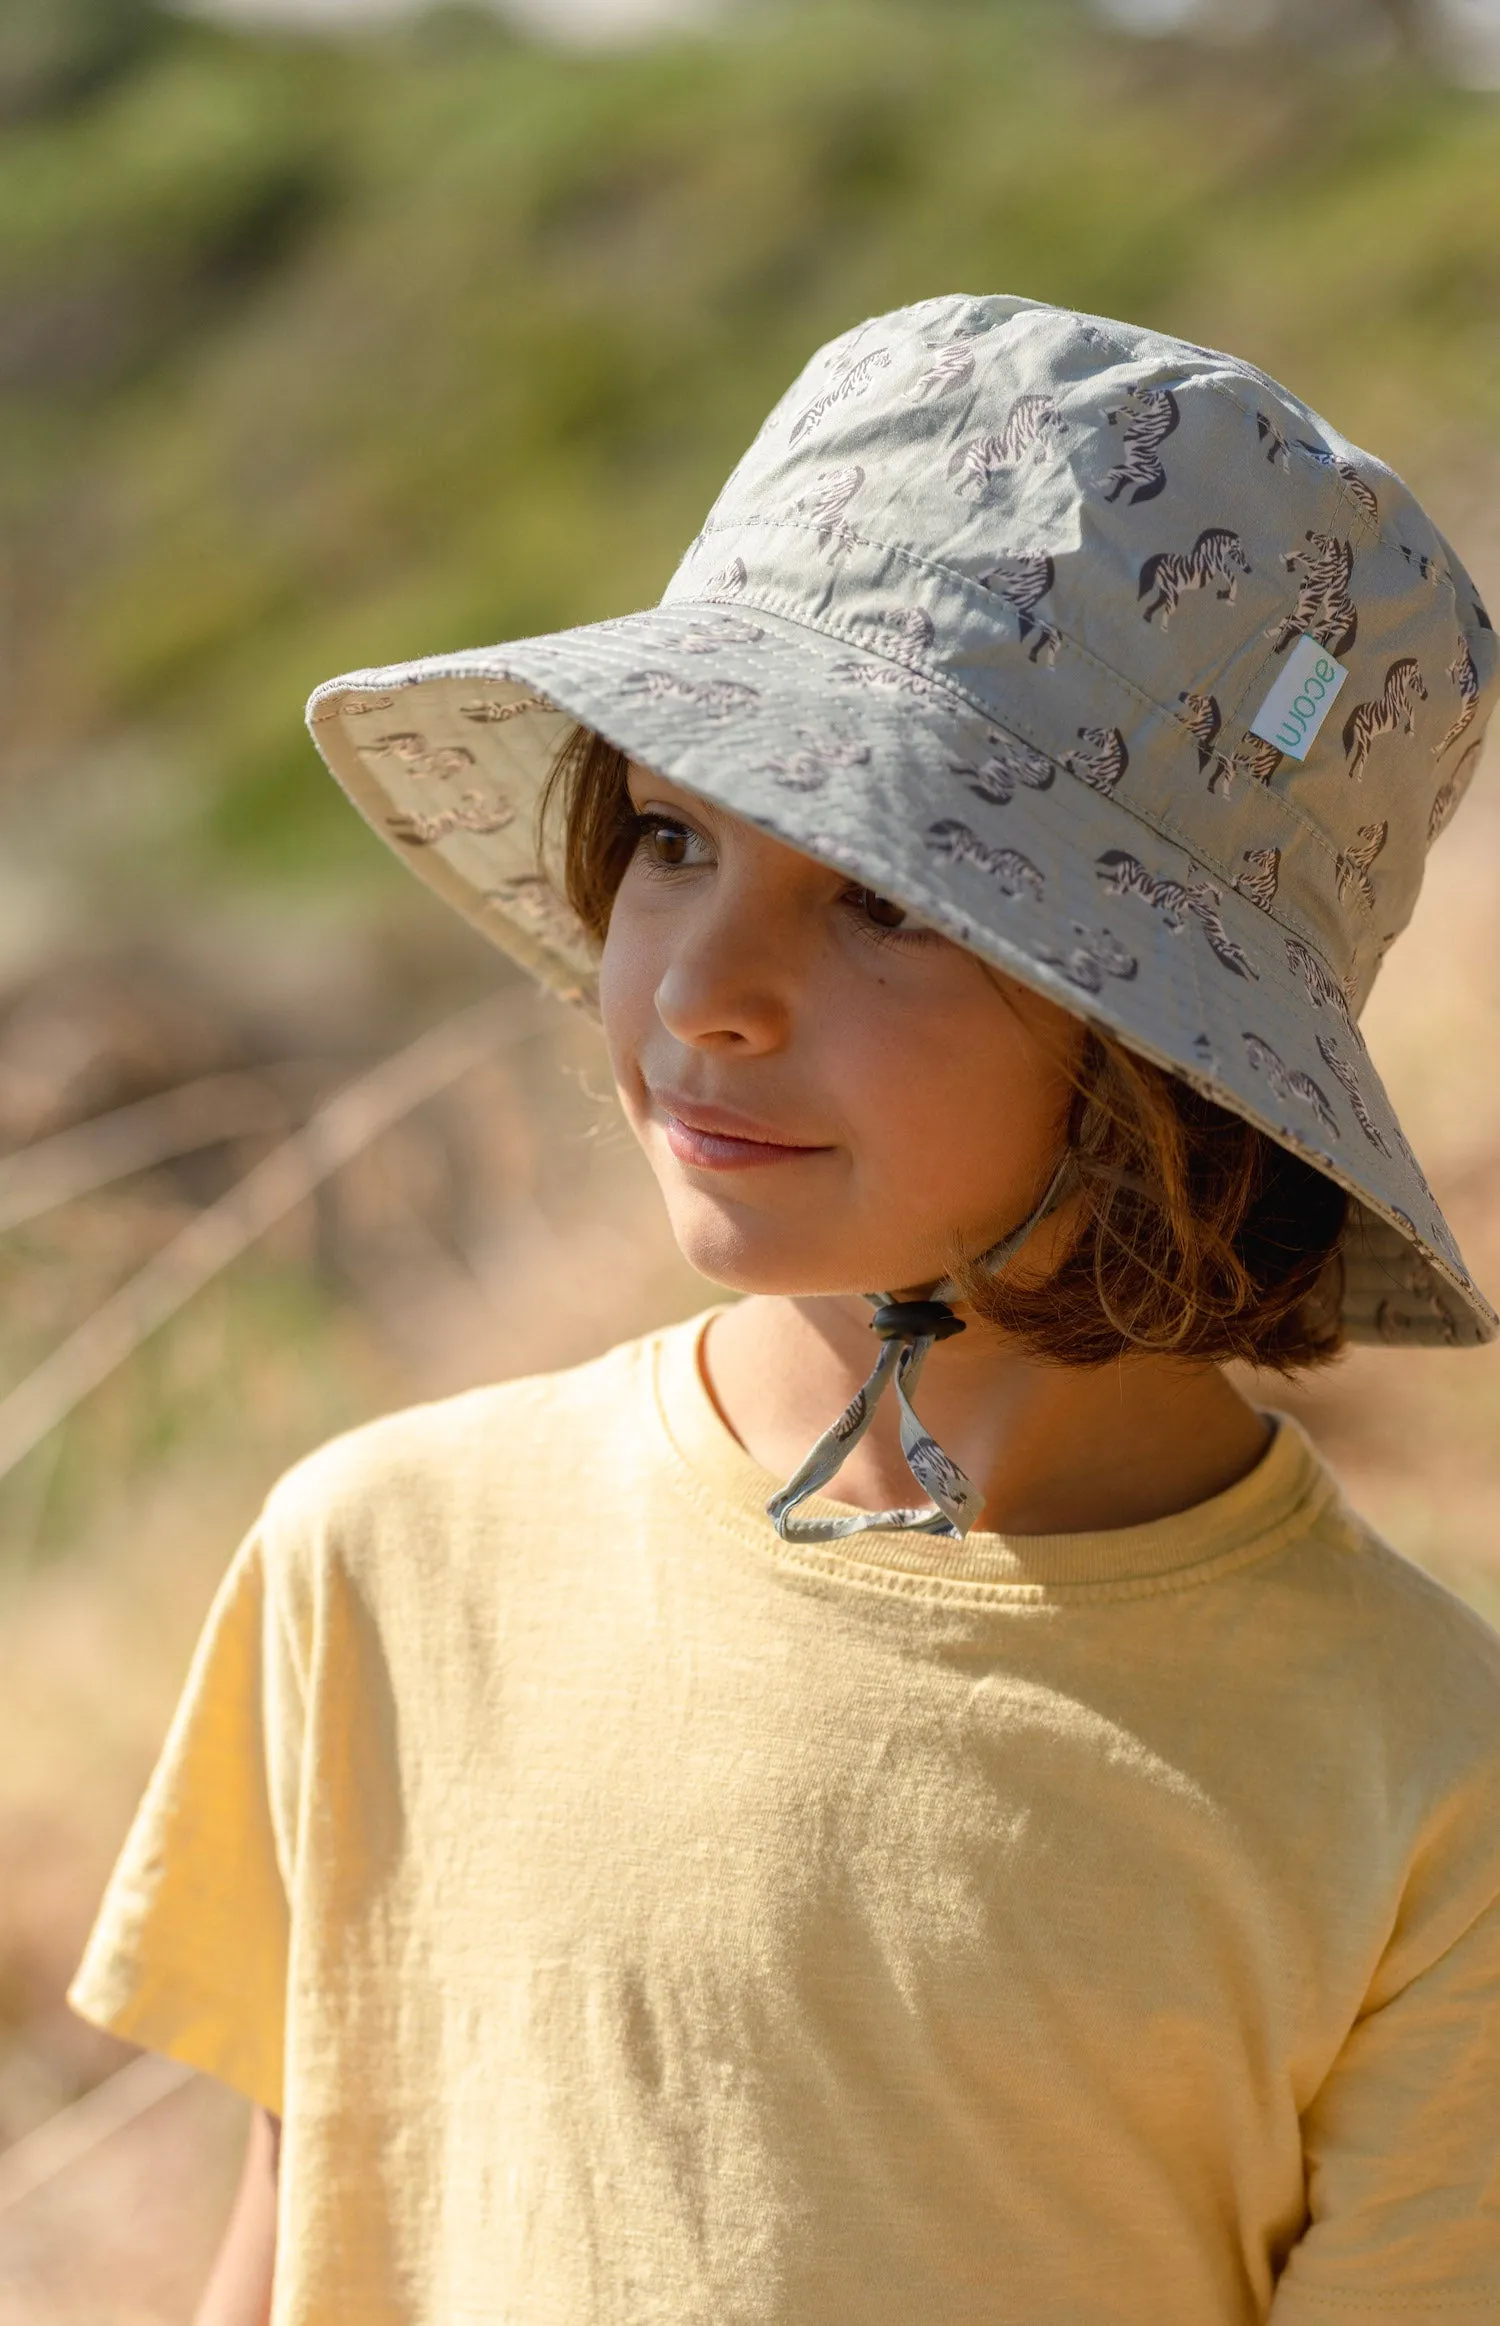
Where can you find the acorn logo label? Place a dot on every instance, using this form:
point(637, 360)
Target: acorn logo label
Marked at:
point(1300, 700)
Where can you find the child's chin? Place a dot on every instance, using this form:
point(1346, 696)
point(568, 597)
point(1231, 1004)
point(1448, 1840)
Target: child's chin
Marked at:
point(756, 1258)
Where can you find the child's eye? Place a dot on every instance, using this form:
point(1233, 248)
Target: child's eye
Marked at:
point(880, 916)
point(666, 845)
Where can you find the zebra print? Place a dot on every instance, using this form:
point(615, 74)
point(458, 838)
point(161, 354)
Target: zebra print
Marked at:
point(819, 756)
point(1101, 761)
point(1452, 791)
point(1352, 865)
point(486, 712)
point(1394, 707)
point(420, 759)
point(1031, 424)
point(473, 813)
point(1202, 718)
point(1008, 766)
point(1359, 489)
point(1271, 437)
point(1431, 569)
point(1121, 874)
point(1324, 608)
point(910, 631)
point(709, 637)
point(1013, 874)
point(1323, 988)
point(1218, 555)
point(1254, 757)
point(851, 378)
point(728, 581)
point(825, 504)
point(1258, 885)
point(952, 367)
point(1097, 955)
point(1150, 415)
point(1466, 678)
point(716, 698)
point(1022, 579)
point(1338, 1066)
point(1290, 1082)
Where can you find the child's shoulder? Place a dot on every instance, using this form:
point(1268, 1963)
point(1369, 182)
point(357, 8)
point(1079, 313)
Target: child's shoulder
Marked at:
point(473, 1458)
point(1392, 1632)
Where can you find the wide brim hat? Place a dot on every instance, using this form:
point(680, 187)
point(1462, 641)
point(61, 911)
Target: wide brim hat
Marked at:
point(999, 615)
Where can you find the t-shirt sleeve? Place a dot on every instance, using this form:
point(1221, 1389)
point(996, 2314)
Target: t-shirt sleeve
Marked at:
point(1403, 2154)
point(189, 1952)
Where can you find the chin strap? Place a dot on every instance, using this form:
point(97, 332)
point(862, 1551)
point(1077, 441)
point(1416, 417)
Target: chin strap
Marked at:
point(907, 1330)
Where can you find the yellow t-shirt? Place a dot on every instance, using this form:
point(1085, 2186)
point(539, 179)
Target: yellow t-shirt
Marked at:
point(641, 1922)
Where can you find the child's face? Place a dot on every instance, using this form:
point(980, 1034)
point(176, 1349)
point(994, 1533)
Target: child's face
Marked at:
point(832, 1097)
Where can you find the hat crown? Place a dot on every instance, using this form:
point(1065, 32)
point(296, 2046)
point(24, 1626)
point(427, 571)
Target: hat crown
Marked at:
point(1112, 543)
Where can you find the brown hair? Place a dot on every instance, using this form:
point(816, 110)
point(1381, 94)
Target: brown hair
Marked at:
point(1198, 1236)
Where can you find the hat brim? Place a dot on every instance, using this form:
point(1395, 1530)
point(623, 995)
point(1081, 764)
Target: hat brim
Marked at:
point(870, 763)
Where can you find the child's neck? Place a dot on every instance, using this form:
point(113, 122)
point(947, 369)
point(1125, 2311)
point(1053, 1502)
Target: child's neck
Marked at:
point(1054, 1449)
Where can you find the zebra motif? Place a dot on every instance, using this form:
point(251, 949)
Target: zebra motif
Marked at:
point(1338, 1066)
point(1031, 424)
point(1121, 874)
point(1481, 614)
point(1394, 707)
point(1430, 568)
point(852, 376)
point(952, 367)
point(1324, 608)
point(1290, 1082)
point(1101, 760)
point(1204, 901)
point(1452, 791)
point(708, 637)
point(1258, 885)
point(1097, 955)
point(820, 756)
point(1323, 988)
point(938, 1475)
point(1150, 415)
point(1010, 764)
point(486, 712)
point(1352, 865)
point(886, 678)
point(1202, 718)
point(728, 581)
point(911, 630)
point(1274, 441)
point(1466, 678)
point(420, 759)
point(1218, 556)
point(717, 698)
point(847, 1425)
point(825, 505)
point(1359, 490)
point(473, 813)
point(1014, 874)
point(1254, 757)
point(1023, 579)
point(531, 899)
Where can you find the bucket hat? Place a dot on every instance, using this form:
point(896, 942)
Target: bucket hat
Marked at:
point(1098, 650)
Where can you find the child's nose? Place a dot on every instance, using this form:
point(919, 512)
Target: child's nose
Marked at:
point(731, 979)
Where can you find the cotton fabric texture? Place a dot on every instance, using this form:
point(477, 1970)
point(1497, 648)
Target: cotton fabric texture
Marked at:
point(986, 617)
point(644, 1922)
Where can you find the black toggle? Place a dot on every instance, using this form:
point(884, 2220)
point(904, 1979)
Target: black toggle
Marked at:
point(916, 1320)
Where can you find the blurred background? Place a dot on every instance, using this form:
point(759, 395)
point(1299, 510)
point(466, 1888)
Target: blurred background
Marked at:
point(339, 331)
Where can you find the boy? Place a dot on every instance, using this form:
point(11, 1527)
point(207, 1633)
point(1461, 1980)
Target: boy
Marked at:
point(646, 1891)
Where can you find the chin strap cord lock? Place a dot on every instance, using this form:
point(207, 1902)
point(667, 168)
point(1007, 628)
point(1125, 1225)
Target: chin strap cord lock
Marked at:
point(907, 1329)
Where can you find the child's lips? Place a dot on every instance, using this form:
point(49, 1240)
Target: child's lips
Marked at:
point(713, 1139)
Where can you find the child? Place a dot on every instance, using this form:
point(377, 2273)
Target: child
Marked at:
point(1039, 1864)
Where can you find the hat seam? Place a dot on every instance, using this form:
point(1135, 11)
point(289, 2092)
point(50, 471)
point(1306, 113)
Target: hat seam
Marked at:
point(1370, 528)
point(769, 603)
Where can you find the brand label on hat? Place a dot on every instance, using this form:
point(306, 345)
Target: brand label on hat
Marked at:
point(1300, 700)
